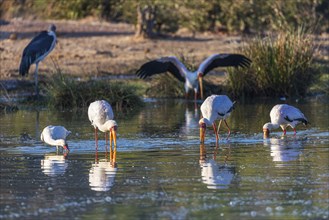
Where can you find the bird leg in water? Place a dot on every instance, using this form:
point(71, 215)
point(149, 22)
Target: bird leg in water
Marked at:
point(229, 130)
point(214, 126)
point(96, 155)
point(96, 139)
point(219, 124)
point(295, 131)
point(36, 80)
point(195, 103)
point(106, 142)
point(284, 132)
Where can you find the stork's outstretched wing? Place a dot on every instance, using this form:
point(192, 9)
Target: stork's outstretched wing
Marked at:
point(223, 60)
point(165, 64)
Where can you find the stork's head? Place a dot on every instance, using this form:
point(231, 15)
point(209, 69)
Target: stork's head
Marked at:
point(66, 147)
point(200, 75)
point(266, 129)
point(52, 27)
point(203, 126)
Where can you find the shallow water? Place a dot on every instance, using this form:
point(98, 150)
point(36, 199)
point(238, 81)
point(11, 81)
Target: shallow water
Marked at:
point(161, 171)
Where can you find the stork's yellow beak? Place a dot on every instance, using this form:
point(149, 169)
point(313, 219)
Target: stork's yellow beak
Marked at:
point(113, 136)
point(201, 85)
point(202, 134)
point(266, 133)
point(114, 133)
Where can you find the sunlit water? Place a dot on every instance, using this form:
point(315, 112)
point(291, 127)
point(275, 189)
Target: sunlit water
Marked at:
point(161, 171)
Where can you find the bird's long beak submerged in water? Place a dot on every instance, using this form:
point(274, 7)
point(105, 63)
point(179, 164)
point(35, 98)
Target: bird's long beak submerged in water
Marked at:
point(202, 132)
point(113, 136)
point(266, 132)
point(200, 84)
point(66, 147)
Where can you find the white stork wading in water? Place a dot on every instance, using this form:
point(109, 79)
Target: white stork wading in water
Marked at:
point(40, 46)
point(55, 136)
point(283, 116)
point(215, 107)
point(172, 65)
point(101, 116)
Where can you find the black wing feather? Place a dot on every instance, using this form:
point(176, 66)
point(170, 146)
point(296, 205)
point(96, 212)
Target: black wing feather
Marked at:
point(156, 67)
point(234, 60)
point(38, 46)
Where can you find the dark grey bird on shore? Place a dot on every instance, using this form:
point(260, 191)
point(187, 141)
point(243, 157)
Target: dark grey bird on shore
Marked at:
point(172, 65)
point(39, 47)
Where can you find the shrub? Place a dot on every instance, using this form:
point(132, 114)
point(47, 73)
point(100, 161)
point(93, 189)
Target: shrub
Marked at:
point(65, 93)
point(281, 65)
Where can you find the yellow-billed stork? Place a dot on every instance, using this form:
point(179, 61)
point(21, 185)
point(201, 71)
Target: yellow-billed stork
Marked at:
point(172, 65)
point(55, 136)
point(101, 116)
point(284, 115)
point(215, 107)
point(39, 47)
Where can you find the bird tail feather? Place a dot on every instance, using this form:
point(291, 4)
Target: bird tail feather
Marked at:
point(24, 66)
point(303, 120)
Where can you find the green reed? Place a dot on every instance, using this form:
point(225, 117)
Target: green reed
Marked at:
point(64, 92)
point(282, 65)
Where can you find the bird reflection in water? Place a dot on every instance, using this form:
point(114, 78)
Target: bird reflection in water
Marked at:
point(284, 149)
point(54, 164)
point(191, 122)
point(214, 175)
point(103, 171)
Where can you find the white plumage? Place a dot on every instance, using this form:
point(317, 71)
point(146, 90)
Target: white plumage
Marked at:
point(53, 165)
point(177, 69)
point(215, 107)
point(283, 116)
point(215, 176)
point(102, 175)
point(55, 136)
point(101, 116)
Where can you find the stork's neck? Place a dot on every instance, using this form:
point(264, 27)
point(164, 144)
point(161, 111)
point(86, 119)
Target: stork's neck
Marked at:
point(206, 121)
point(271, 126)
point(58, 142)
point(107, 125)
point(192, 80)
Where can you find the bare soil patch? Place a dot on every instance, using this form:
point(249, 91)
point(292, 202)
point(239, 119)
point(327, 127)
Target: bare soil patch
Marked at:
point(94, 48)
point(90, 48)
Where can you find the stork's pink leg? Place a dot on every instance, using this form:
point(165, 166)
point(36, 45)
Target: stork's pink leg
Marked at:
point(215, 130)
point(229, 130)
point(295, 131)
point(284, 132)
point(96, 138)
point(96, 155)
point(106, 142)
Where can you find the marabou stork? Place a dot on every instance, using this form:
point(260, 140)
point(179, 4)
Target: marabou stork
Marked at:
point(39, 47)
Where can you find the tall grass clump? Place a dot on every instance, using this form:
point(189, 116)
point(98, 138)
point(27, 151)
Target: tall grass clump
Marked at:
point(281, 65)
point(68, 93)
